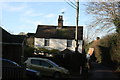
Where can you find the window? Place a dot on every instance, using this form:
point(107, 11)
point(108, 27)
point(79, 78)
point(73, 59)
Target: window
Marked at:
point(69, 43)
point(9, 64)
point(46, 64)
point(35, 62)
point(46, 43)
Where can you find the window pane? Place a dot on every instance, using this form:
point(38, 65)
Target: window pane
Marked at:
point(46, 42)
point(69, 43)
point(44, 63)
point(36, 62)
point(8, 64)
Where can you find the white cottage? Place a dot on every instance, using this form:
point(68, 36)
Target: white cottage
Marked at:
point(58, 37)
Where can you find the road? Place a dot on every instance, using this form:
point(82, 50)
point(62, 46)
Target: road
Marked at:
point(99, 72)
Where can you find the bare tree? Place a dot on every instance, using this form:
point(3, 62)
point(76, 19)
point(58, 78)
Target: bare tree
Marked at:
point(106, 15)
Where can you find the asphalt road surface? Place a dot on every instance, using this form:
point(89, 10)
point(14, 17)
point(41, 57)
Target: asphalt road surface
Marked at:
point(99, 72)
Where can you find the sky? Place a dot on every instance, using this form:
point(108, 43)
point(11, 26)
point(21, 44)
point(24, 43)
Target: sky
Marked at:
point(24, 16)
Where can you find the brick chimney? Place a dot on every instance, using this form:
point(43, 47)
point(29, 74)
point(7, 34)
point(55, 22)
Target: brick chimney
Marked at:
point(60, 22)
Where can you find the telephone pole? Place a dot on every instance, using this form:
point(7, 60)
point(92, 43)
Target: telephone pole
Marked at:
point(77, 19)
point(76, 7)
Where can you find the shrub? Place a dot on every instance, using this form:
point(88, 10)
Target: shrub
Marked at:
point(28, 51)
point(112, 45)
point(107, 50)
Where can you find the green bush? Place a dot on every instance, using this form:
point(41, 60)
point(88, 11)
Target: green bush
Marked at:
point(107, 50)
point(28, 51)
point(44, 50)
point(116, 22)
point(112, 45)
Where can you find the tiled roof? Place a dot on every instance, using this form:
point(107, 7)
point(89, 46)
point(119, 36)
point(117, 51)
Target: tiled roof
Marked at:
point(67, 32)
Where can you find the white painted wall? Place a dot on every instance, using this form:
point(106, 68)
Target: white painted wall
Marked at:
point(59, 44)
point(39, 42)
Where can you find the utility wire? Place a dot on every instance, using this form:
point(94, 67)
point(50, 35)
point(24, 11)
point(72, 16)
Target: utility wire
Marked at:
point(70, 4)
